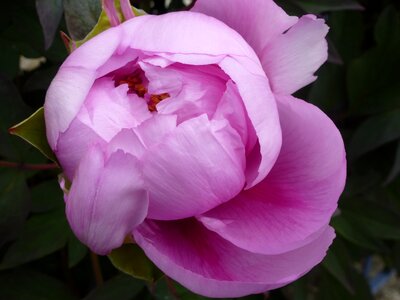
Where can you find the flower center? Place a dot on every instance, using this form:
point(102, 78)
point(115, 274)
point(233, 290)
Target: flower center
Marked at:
point(137, 86)
point(155, 99)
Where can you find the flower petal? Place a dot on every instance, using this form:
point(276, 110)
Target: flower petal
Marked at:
point(73, 144)
point(103, 208)
point(108, 109)
point(148, 134)
point(231, 108)
point(258, 21)
point(295, 202)
point(209, 265)
point(291, 59)
point(105, 112)
point(182, 32)
point(197, 167)
point(261, 108)
point(64, 98)
point(192, 90)
point(96, 52)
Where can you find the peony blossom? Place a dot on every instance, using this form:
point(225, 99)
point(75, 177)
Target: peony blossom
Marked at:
point(180, 132)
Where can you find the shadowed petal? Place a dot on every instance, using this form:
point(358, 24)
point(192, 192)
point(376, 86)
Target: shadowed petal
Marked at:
point(209, 265)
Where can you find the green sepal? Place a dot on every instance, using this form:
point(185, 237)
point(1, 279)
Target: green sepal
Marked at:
point(33, 130)
point(131, 260)
point(103, 24)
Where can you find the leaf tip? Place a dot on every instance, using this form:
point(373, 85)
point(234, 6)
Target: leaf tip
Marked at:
point(13, 130)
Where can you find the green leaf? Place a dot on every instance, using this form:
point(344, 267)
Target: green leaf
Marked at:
point(330, 289)
point(176, 5)
point(387, 28)
point(298, 289)
point(396, 256)
point(374, 218)
point(14, 204)
point(319, 6)
point(29, 285)
point(76, 251)
point(330, 78)
point(337, 263)
point(375, 132)
point(43, 234)
point(373, 78)
point(46, 196)
point(290, 7)
point(130, 259)
point(50, 12)
point(103, 23)
point(395, 171)
point(24, 23)
point(347, 34)
point(353, 233)
point(33, 130)
point(13, 109)
point(184, 294)
point(372, 82)
point(81, 16)
point(9, 59)
point(40, 79)
point(91, 28)
point(121, 287)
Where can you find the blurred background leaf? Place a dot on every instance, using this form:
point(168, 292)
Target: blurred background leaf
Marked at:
point(81, 16)
point(49, 12)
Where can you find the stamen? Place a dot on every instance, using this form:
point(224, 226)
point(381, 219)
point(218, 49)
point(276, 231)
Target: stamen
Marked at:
point(136, 86)
point(155, 99)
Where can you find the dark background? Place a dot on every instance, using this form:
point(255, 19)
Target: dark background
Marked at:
point(359, 88)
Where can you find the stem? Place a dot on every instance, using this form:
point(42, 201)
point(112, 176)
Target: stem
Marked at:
point(96, 268)
point(23, 166)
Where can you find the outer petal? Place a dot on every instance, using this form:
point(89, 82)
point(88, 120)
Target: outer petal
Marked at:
point(209, 265)
point(106, 111)
point(261, 108)
point(258, 21)
point(73, 144)
point(197, 167)
point(107, 199)
point(69, 88)
point(291, 59)
point(183, 32)
point(295, 202)
point(64, 99)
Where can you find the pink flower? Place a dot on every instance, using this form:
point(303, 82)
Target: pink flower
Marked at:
point(180, 130)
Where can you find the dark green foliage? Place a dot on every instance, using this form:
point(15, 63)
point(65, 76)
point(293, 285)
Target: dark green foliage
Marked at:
point(359, 88)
